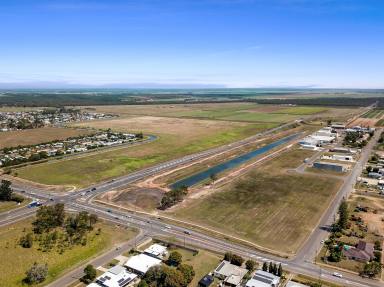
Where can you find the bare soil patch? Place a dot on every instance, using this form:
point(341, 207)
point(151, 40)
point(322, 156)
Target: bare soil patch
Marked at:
point(363, 122)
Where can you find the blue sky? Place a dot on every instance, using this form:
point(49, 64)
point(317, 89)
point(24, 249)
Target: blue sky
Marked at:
point(229, 43)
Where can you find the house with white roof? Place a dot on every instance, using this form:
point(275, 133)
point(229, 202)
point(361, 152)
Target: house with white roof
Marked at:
point(157, 251)
point(141, 263)
point(230, 274)
point(117, 276)
point(263, 279)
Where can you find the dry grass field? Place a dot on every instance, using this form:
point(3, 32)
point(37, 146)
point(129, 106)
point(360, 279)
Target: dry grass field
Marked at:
point(249, 112)
point(181, 129)
point(177, 137)
point(35, 136)
point(19, 259)
point(271, 205)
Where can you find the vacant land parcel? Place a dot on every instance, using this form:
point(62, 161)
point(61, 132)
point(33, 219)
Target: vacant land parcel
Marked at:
point(181, 129)
point(248, 112)
point(20, 259)
point(176, 137)
point(272, 206)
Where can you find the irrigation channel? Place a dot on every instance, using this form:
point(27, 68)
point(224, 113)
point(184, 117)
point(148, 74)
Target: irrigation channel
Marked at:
point(205, 174)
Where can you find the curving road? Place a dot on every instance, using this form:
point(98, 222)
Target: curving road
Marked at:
point(302, 263)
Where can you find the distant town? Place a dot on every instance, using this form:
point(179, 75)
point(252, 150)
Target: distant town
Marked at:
point(18, 155)
point(10, 121)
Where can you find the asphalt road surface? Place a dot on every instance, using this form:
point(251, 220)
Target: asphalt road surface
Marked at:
point(302, 263)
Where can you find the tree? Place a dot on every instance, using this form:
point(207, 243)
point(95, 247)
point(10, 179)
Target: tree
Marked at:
point(343, 215)
point(27, 240)
point(265, 266)
point(143, 283)
point(89, 274)
point(280, 270)
point(237, 260)
point(228, 256)
point(270, 267)
point(48, 217)
point(371, 269)
point(5, 190)
point(187, 271)
point(213, 177)
point(175, 258)
point(92, 220)
point(36, 274)
point(250, 265)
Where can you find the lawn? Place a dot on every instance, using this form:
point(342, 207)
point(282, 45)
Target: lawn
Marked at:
point(203, 262)
point(36, 136)
point(269, 206)
point(20, 259)
point(177, 137)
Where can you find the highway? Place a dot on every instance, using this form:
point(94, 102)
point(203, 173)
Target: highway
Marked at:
point(302, 263)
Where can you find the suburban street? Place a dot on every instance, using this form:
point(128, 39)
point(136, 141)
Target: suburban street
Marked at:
point(149, 226)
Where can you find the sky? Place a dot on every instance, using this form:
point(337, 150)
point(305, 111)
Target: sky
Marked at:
point(197, 43)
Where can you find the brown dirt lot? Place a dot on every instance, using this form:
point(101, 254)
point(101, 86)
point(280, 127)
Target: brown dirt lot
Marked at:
point(36, 136)
point(363, 122)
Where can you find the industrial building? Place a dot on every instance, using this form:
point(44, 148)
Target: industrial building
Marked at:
point(337, 167)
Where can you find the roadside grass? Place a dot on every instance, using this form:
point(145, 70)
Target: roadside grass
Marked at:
point(309, 280)
point(19, 259)
point(203, 262)
point(86, 170)
point(36, 136)
point(269, 205)
point(9, 205)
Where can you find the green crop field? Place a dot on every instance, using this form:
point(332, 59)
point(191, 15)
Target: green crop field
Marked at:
point(374, 114)
point(269, 206)
point(19, 259)
point(302, 110)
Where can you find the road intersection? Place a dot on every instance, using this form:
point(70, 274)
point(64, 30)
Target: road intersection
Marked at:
point(301, 263)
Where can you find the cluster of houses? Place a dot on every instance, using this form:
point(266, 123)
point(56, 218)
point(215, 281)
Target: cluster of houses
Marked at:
point(374, 173)
point(136, 267)
point(40, 118)
point(17, 155)
point(227, 274)
point(233, 276)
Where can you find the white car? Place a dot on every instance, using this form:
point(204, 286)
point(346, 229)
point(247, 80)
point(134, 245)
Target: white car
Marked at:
point(337, 275)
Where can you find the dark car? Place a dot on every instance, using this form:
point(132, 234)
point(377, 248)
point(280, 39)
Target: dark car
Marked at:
point(93, 188)
point(187, 232)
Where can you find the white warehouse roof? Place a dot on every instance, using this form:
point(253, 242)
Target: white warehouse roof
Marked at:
point(141, 263)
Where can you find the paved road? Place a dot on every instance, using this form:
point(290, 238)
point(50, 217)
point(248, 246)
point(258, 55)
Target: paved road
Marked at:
point(302, 263)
